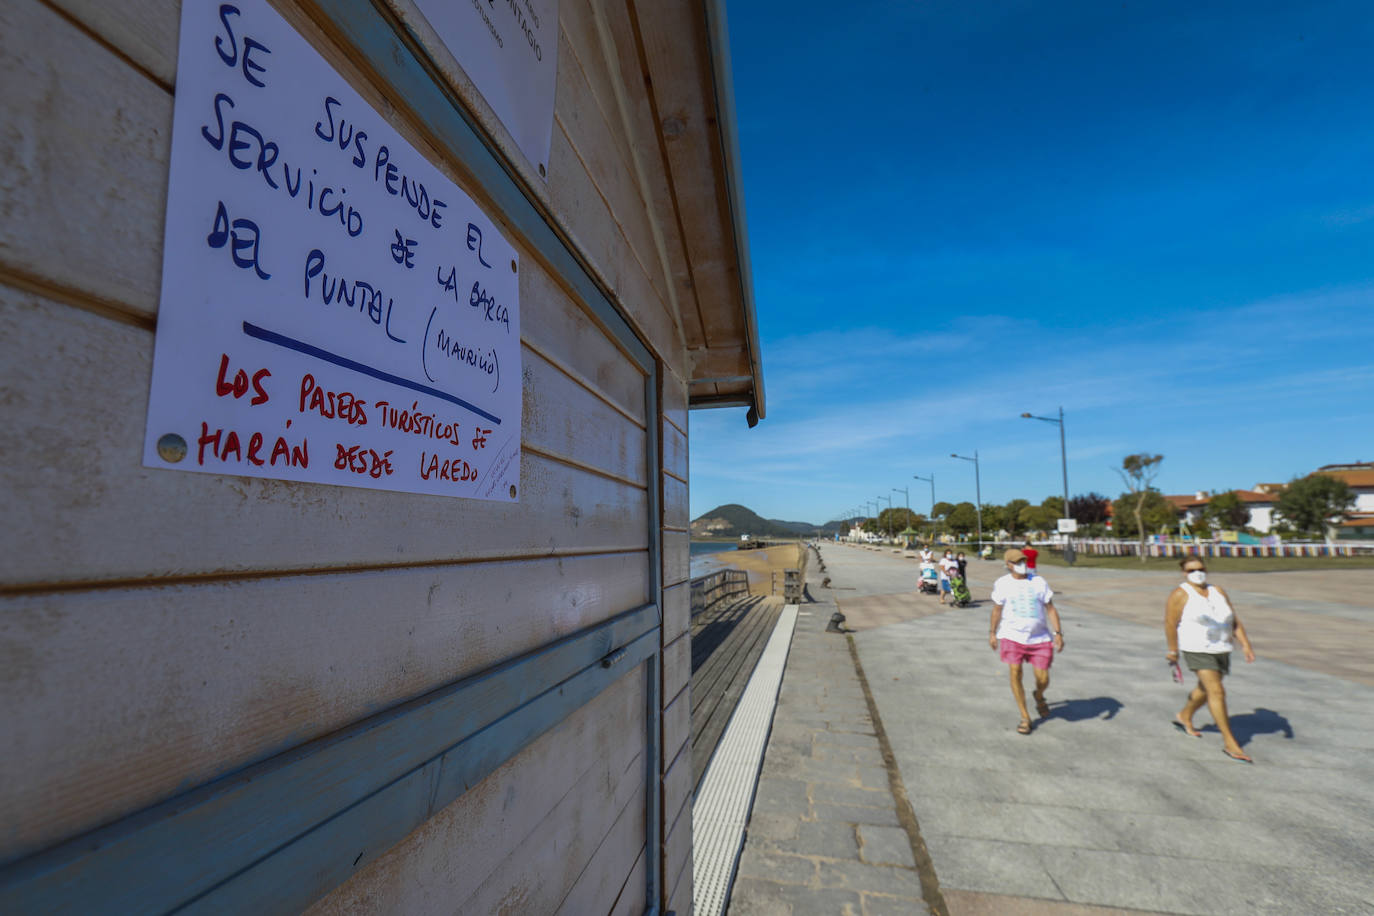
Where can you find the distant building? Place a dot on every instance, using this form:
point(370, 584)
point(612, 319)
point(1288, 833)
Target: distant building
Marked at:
point(1359, 476)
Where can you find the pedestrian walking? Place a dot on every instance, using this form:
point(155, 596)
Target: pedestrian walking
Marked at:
point(1200, 621)
point(1032, 555)
point(1025, 628)
point(963, 566)
point(947, 568)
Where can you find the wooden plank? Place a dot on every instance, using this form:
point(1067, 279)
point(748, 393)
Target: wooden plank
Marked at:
point(86, 159)
point(614, 861)
point(631, 900)
point(677, 666)
point(673, 396)
point(675, 50)
point(596, 136)
point(677, 849)
point(587, 221)
point(677, 610)
point(680, 897)
point(677, 727)
point(676, 513)
point(677, 788)
point(565, 419)
point(676, 557)
point(644, 123)
point(674, 450)
point(119, 698)
point(448, 857)
point(74, 451)
point(541, 870)
point(144, 31)
point(562, 332)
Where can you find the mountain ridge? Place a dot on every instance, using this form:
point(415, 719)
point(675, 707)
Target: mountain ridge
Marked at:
point(732, 520)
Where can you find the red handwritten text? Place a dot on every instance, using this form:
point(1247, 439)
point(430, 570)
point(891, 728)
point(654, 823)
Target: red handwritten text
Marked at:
point(455, 469)
point(229, 446)
point(329, 405)
point(239, 386)
point(362, 460)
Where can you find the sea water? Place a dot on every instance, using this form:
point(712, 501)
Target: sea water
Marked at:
point(706, 556)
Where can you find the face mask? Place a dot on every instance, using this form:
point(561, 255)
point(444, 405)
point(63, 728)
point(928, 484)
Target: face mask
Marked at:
point(1019, 569)
point(1198, 576)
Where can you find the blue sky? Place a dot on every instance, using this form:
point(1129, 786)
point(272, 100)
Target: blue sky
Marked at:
point(1158, 215)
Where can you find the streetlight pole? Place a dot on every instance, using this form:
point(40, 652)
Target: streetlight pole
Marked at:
point(978, 493)
point(905, 491)
point(889, 506)
point(1064, 466)
point(931, 480)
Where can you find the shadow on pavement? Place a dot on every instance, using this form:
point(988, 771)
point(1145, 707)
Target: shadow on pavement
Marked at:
point(1078, 710)
point(1260, 722)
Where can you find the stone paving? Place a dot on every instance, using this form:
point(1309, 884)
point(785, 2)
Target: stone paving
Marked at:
point(1105, 804)
point(826, 835)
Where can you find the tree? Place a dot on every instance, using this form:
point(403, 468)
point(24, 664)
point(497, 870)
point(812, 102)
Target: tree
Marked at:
point(1313, 503)
point(1156, 514)
point(1225, 510)
point(1054, 504)
point(1089, 508)
point(962, 518)
point(897, 519)
point(1011, 516)
point(941, 509)
point(1139, 471)
point(1037, 518)
point(994, 517)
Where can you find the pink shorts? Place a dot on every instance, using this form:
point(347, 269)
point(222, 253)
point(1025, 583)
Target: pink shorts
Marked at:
point(1040, 655)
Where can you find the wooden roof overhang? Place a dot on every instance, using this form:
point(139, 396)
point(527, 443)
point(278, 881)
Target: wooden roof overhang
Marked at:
point(686, 65)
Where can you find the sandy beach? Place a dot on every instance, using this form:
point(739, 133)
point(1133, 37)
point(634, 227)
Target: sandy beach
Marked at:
point(761, 564)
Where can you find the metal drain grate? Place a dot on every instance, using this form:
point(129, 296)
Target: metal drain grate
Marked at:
point(721, 809)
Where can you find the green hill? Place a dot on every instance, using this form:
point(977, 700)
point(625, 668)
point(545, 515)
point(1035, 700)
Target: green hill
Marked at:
point(733, 520)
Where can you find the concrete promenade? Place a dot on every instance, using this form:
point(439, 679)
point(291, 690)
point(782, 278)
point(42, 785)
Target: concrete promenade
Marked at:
point(1105, 807)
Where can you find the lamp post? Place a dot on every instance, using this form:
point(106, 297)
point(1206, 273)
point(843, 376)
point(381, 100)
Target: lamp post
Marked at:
point(978, 493)
point(905, 491)
point(931, 480)
point(1064, 465)
point(889, 506)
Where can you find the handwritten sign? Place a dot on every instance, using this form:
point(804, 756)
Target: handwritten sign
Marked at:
point(333, 308)
point(509, 49)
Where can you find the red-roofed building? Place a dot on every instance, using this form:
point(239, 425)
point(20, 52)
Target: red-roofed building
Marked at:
point(1359, 476)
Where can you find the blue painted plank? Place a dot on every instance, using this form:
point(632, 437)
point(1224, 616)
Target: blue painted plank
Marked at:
point(292, 877)
point(158, 859)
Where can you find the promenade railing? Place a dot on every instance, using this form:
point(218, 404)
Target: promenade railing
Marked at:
point(1205, 548)
point(717, 586)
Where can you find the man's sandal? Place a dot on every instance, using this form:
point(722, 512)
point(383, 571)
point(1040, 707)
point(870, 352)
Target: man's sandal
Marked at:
point(1042, 708)
point(1024, 728)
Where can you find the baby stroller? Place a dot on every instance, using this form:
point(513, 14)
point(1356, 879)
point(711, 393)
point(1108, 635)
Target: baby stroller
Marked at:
point(958, 591)
point(930, 580)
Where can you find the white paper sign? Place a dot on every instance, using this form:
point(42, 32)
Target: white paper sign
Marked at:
point(1068, 525)
point(333, 309)
point(509, 49)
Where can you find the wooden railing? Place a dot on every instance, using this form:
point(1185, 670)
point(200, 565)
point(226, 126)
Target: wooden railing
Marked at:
point(717, 586)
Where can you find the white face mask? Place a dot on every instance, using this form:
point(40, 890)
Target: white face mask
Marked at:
point(1198, 576)
point(1019, 568)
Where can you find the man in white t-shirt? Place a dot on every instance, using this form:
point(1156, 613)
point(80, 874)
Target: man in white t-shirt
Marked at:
point(1025, 627)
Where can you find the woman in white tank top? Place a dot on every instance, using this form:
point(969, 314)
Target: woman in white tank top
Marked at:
point(1200, 622)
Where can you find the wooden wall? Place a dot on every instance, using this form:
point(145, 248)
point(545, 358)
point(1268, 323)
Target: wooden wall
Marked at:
point(161, 629)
